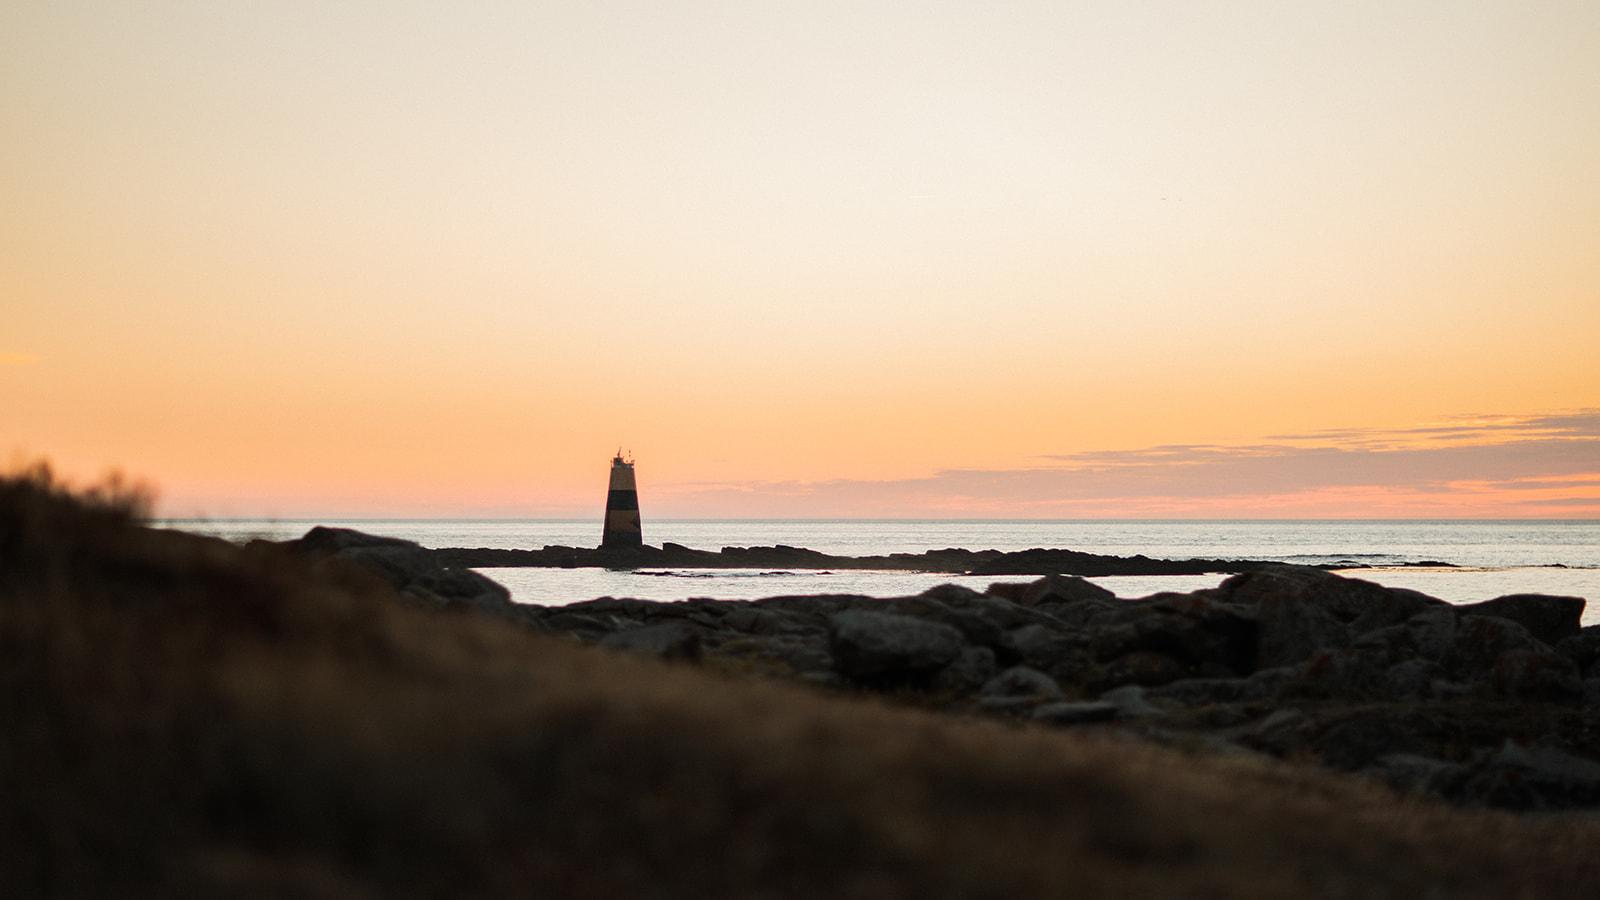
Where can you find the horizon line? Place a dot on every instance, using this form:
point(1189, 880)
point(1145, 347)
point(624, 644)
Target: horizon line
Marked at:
point(886, 519)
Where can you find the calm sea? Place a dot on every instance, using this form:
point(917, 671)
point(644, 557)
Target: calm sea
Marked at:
point(1495, 557)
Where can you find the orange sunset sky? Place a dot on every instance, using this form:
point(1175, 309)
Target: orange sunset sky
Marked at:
point(1031, 259)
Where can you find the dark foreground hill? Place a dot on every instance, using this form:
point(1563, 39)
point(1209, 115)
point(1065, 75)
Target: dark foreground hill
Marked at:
point(186, 717)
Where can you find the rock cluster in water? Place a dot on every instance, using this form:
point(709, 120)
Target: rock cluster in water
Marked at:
point(974, 562)
point(1494, 703)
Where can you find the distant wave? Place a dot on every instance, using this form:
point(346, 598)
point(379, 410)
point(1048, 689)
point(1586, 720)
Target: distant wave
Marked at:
point(732, 573)
point(1341, 556)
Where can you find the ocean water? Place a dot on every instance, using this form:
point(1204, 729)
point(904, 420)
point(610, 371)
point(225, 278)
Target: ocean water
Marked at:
point(1493, 558)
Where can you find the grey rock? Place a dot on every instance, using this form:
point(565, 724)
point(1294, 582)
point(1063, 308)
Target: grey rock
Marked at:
point(627, 609)
point(1195, 629)
point(1130, 702)
point(1480, 640)
point(822, 679)
point(575, 623)
point(1396, 662)
point(874, 645)
point(1007, 615)
point(1347, 674)
point(1583, 649)
point(1007, 704)
point(1432, 632)
point(967, 672)
point(1142, 667)
point(1201, 691)
point(1265, 684)
point(1414, 774)
point(1537, 673)
point(1075, 713)
point(1352, 742)
point(666, 640)
point(951, 594)
point(758, 620)
point(1009, 591)
point(1041, 646)
point(324, 540)
point(1067, 599)
point(1591, 691)
point(1411, 679)
point(1359, 605)
point(1277, 732)
point(798, 653)
point(1293, 628)
point(1198, 743)
point(1021, 681)
point(972, 624)
point(411, 570)
point(1548, 618)
point(1063, 589)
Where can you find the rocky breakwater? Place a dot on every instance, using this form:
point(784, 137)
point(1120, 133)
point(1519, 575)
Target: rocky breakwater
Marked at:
point(954, 561)
point(1495, 703)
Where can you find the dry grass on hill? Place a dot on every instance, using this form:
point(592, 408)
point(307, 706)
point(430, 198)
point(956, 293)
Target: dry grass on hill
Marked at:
point(182, 716)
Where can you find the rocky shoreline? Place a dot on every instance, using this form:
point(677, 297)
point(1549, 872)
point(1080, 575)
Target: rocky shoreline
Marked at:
point(1487, 704)
point(343, 716)
point(1038, 561)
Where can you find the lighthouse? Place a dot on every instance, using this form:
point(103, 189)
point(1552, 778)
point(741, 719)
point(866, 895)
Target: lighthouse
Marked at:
point(622, 507)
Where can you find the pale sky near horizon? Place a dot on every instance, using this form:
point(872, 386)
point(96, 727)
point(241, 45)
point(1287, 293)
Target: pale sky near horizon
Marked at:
point(822, 258)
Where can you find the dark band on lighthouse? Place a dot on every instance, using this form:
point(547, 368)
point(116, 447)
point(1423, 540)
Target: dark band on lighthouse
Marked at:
point(622, 507)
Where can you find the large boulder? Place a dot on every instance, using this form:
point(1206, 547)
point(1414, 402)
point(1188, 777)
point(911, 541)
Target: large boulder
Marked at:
point(1063, 589)
point(1008, 615)
point(663, 640)
point(1426, 635)
point(878, 646)
point(1548, 618)
point(1142, 667)
point(969, 671)
point(1070, 600)
point(1360, 606)
point(783, 654)
point(1536, 674)
point(1434, 653)
point(1502, 654)
point(973, 624)
point(1293, 629)
point(1201, 691)
point(951, 594)
point(749, 619)
point(1583, 649)
point(1345, 674)
point(1208, 637)
point(324, 541)
point(411, 569)
point(1021, 681)
point(1481, 640)
point(1064, 654)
